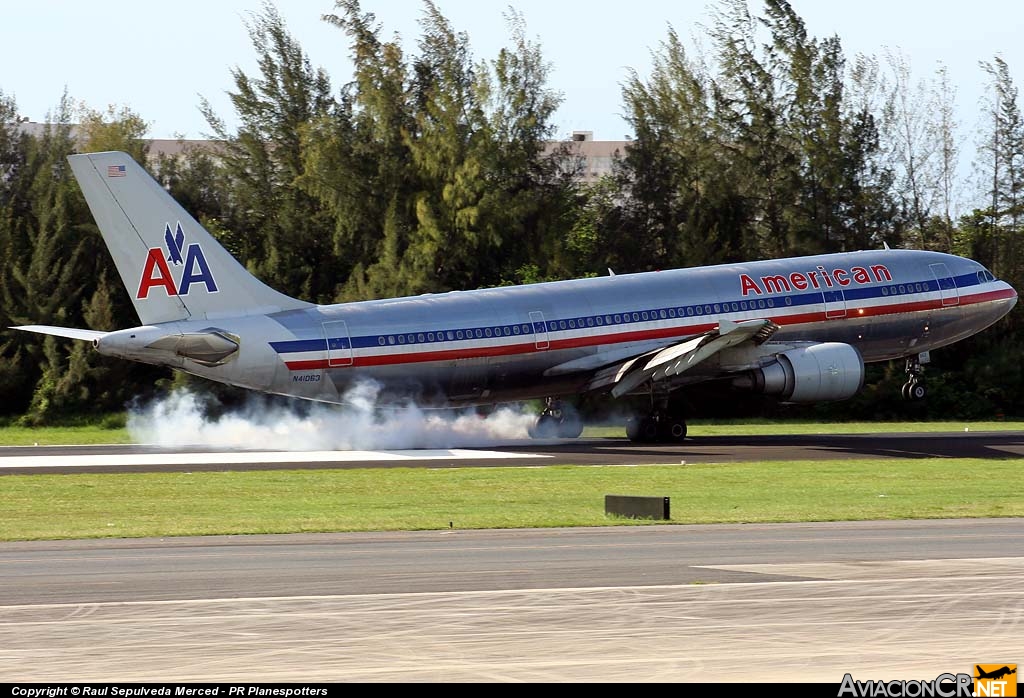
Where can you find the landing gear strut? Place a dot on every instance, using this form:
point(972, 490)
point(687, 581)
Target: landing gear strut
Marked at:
point(914, 388)
point(661, 425)
point(557, 421)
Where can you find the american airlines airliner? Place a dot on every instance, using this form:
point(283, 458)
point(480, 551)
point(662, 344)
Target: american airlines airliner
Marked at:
point(800, 329)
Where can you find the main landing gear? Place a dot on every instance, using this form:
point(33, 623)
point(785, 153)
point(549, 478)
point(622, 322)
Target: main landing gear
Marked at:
point(914, 388)
point(656, 427)
point(557, 421)
point(661, 425)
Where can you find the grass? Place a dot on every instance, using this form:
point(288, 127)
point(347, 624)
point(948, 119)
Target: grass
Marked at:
point(59, 436)
point(176, 504)
point(85, 429)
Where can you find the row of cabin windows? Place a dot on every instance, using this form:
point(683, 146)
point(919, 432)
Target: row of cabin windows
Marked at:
point(620, 318)
point(574, 323)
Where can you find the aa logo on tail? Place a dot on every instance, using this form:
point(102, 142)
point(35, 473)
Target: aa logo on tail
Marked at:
point(193, 266)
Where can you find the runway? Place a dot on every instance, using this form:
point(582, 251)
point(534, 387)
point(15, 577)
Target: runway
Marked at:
point(735, 603)
point(524, 453)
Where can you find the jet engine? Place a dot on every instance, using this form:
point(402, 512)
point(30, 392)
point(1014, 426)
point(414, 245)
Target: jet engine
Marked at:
point(815, 373)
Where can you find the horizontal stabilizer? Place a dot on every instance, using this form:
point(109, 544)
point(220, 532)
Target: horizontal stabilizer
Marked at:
point(69, 332)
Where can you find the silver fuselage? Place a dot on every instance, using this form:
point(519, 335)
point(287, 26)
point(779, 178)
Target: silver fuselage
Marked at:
point(522, 342)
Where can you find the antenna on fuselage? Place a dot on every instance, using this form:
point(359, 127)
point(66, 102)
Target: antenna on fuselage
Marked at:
point(885, 244)
point(610, 272)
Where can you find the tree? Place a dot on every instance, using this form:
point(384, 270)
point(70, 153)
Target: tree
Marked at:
point(16, 371)
point(113, 129)
point(751, 112)
point(915, 149)
point(530, 189)
point(1003, 149)
point(678, 196)
point(282, 233)
point(44, 280)
point(943, 107)
point(434, 166)
point(871, 216)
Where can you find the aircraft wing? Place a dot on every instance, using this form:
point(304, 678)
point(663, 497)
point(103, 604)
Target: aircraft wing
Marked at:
point(666, 362)
point(69, 332)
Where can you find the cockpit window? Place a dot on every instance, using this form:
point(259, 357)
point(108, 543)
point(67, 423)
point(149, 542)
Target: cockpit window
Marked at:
point(985, 276)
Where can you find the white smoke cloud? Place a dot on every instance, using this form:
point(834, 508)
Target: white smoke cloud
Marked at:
point(359, 424)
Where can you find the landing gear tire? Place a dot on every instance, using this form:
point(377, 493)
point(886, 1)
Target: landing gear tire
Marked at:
point(557, 421)
point(656, 428)
point(672, 430)
point(914, 389)
point(545, 427)
point(642, 429)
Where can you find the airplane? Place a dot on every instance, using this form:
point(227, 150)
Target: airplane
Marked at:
point(995, 674)
point(799, 329)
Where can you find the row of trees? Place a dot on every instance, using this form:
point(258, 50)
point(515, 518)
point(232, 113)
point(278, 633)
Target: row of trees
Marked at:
point(431, 170)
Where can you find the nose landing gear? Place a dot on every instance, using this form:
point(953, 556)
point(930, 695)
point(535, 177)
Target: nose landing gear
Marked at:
point(914, 388)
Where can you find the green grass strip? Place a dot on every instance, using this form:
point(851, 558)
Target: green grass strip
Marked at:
point(178, 504)
point(62, 436)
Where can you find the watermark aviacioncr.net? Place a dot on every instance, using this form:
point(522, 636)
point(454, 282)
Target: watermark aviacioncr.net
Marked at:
point(986, 681)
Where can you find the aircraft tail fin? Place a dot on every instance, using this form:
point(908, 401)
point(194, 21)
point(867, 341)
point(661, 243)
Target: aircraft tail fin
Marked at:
point(171, 266)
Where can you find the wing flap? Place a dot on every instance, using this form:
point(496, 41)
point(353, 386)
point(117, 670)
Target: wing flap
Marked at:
point(592, 362)
point(673, 360)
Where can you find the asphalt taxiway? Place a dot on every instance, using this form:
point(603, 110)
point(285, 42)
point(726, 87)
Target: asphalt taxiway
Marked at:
point(527, 453)
point(732, 603)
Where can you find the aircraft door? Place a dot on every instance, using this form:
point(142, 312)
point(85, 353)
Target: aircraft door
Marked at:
point(338, 343)
point(540, 330)
point(835, 303)
point(950, 293)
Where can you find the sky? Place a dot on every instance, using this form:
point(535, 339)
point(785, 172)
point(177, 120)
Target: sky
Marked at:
point(160, 58)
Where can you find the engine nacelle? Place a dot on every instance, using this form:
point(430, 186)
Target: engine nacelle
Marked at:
point(815, 373)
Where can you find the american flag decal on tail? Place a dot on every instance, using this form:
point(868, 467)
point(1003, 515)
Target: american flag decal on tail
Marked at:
point(115, 171)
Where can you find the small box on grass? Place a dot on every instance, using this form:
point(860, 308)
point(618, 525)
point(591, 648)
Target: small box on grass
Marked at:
point(637, 507)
